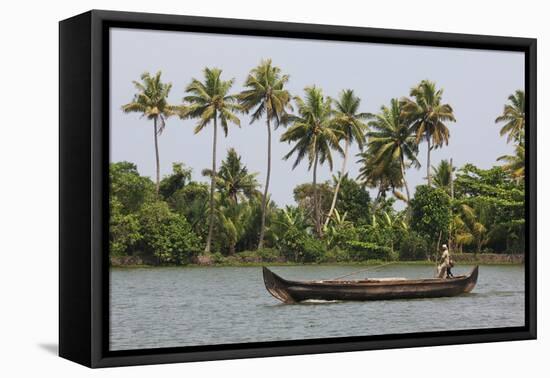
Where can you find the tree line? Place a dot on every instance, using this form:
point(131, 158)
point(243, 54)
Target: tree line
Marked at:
point(470, 208)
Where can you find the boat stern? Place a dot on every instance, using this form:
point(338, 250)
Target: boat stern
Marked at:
point(472, 279)
point(276, 286)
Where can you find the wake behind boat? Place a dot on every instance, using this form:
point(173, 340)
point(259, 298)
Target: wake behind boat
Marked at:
point(367, 290)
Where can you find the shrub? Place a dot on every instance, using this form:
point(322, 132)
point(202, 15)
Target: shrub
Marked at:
point(123, 230)
point(413, 247)
point(362, 251)
point(218, 258)
point(269, 254)
point(301, 247)
point(262, 255)
point(313, 250)
point(130, 189)
point(338, 236)
point(248, 256)
point(431, 214)
point(166, 235)
point(336, 255)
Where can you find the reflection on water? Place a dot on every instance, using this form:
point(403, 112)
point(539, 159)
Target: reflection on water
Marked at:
point(167, 307)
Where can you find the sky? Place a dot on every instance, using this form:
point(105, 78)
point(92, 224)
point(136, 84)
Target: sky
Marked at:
point(476, 83)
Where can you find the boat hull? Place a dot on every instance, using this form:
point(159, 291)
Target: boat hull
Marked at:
point(297, 291)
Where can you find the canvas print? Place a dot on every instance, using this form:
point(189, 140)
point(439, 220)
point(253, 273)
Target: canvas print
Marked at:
point(266, 189)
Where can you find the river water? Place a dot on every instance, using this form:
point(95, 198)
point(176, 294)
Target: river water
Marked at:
point(169, 307)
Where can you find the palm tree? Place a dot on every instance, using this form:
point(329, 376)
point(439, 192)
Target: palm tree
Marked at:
point(514, 116)
point(392, 139)
point(233, 180)
point(348, 120)
point(265, 92)
point(515, 164)
point(427, 115)
point(151, 102)
point(469, 228)
point(333, 229)
point(293, 217)
point(384, 177)
point(443, 175)
point(389, 220)
point(210, 101)
point(232, 222)
point(315, 136)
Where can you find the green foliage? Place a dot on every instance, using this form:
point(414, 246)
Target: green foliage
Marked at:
point(315, 136)
point(252, 223)
point(260, 255)
point(210, 100)
point(363, 251)
point(487, 214)
point(151, 101)
point(469, 227)
point(515, 164)
point(269, 254)
point(339, 231)
point(354, 200)
point(497, 202)
point(191, 202)
point(218, 258)
point(230, 224)
point(392, 140)
point(174, 182)
point(129, 188)
point(172, 221)
point(304, 197)
point(348, 119)
point(442, 175)
point(335, 255)
point(513, 116)
point(124, 230)
point(233, 180)
point(166, 235)
point(427, 115)
point(431, 214)
point(382, 177)
point(298, 246)
point(375, 234)
point(413, 247)
point(151, 98)
point(265, 92)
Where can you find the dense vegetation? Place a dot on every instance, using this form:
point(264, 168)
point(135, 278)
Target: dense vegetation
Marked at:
point(229, 214)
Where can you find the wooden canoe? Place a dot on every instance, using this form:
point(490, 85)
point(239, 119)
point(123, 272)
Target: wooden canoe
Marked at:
point(367, 290)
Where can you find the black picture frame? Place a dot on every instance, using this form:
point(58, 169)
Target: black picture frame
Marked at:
point(83, 194)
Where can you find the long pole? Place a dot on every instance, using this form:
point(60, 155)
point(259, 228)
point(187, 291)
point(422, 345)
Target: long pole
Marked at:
point(452, 198)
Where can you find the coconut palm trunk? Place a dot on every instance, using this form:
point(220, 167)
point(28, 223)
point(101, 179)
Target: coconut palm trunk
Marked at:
point(428, 165)
point(212, 186)
point(157, 155)
point(266, 189)
point(315, 198)
point(405, 181)
point(337, 189)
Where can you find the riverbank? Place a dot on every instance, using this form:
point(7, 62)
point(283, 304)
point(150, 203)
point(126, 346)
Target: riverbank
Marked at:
point(236, 261)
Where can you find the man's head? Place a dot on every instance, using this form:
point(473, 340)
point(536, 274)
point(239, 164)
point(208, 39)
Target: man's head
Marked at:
point(444, 247)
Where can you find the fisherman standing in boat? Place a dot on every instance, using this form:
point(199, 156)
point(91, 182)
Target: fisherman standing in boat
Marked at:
point(444, 263)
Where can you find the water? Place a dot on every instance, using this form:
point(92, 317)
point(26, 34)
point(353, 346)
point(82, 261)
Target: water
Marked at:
point(168, 307)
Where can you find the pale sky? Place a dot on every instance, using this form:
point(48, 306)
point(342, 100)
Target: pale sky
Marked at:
point(476, 83)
